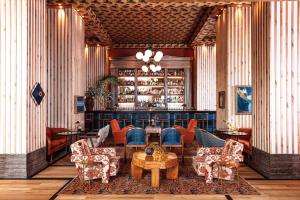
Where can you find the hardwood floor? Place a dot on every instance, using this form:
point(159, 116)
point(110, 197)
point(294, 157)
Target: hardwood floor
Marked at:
point(45, 184)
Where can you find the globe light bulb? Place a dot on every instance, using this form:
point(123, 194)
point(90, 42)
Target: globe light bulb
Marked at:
point(145, 58)
point(156, 58)
point(139, 55)
point(159, 55)
point(158, 68)
point(148, 53)
point(145, 68)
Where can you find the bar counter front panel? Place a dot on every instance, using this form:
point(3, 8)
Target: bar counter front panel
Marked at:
point(95, 120)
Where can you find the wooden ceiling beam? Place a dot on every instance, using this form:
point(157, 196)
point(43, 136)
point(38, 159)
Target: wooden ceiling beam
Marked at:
point(202, 19)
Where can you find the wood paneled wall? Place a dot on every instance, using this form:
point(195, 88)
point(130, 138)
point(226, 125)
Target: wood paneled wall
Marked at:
point(95, 61)
point(235, 37)
point(206, 78)
point(65, 66)
point(22, 64)
point(276, 56)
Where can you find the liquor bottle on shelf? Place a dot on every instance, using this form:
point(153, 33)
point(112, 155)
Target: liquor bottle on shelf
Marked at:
point(151, 82)
point(175, 99)
point(127, 82)
point(175, 82)
point(123, 99)
point(126, 91)
point(150, 73)
point(175, 72)
point(126, 72)
point(176, 91)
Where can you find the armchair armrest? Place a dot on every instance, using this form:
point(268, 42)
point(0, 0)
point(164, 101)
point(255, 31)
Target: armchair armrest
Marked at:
point(209, 151)
point(104, 151)
point(90, 159)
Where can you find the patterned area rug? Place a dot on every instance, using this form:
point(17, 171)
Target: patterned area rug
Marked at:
point(187, 183)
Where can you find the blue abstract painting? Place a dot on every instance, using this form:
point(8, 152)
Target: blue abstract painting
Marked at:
point(243, 99)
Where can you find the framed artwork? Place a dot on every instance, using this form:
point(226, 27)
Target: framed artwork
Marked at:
point(79, 104)
point(222, 99)
point(243, 95)
point(37, 93)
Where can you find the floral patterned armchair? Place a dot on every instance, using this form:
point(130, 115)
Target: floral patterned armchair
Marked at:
point(94, 163)
point(207, 160)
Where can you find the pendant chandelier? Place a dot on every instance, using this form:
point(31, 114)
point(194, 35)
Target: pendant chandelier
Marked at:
point(151, 60)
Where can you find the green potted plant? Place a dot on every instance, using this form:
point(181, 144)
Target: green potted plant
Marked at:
point(89, 100)
point(101, 92)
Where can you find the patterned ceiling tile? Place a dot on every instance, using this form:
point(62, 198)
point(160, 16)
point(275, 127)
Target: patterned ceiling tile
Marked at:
point(138, 22)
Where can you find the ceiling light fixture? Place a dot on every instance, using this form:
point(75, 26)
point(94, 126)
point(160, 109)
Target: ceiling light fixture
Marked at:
point(151, 60)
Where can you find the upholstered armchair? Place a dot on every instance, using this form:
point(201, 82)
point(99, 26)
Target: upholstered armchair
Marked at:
point(170, 137)
point(189, 132)
point(94, 163)
point(246, 140)
point(135, 138)
point(206, 161)
point(55, 142)
point(118, 133)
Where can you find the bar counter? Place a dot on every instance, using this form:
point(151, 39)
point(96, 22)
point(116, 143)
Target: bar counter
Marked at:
point(98, 118)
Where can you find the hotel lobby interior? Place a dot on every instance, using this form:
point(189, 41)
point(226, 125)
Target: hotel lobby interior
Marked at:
point(149, 99)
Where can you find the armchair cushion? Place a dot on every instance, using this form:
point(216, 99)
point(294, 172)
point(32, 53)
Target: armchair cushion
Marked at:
point(207, 139)
point(101, 136)
point(136, 136)
point(55, 142)
point(170, 136)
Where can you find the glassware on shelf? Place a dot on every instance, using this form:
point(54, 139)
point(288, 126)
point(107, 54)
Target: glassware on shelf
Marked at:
point(175, 72)
point(151, 82)
point(175, 82)
point(176, 91)
point(126, 72)
point(150, 73)
point(175, 99)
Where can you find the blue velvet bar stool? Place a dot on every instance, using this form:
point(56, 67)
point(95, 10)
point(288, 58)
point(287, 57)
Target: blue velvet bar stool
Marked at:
point(106, 118)
point(143, 119)
point(202, 119)
point(135, 138)
point(181, 119)
point(211, 122)
point(125, 119)
point(170, 137)
point(163, 119)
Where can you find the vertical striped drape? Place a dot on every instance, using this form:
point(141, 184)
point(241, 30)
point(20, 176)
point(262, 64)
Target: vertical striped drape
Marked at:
point(95, 61)
point(276, 66)
point(206, 77)
point(13, 76)
point(238, 60)
point(36, 72)
point(22, 64)
point(65, 66)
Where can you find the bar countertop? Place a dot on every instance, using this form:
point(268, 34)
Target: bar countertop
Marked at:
point(148, 110)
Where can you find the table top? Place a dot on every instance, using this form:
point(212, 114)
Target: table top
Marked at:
point(139, 159)
point(66, 133)
point(153, 129)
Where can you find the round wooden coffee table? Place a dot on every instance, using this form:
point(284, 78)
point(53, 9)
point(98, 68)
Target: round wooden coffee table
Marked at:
point(139, 163)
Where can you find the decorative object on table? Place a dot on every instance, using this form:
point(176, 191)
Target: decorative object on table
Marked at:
point(222, 99)
point(78, 104)
point(230, 126)
point(37, 93)
point(149, 151)
point(243, 100)
point(205, 161)
point(78, 126)
point(100, 91)
point(151, 60)
point(159, 153)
